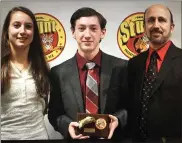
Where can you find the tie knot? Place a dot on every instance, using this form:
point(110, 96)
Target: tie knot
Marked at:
point(154, 55)
point(90, 65)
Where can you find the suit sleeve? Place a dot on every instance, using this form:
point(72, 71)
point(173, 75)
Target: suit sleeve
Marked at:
point(121, 111)
point(117, 93)
point(56, 112)
point(131, 73)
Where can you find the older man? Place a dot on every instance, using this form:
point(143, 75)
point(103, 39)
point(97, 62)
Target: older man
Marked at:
point(155, 78)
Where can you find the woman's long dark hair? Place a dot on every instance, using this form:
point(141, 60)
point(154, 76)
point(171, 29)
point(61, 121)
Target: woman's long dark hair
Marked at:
point(39, 67)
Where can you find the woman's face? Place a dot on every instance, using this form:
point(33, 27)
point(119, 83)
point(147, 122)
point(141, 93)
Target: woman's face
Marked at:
point(20, 31)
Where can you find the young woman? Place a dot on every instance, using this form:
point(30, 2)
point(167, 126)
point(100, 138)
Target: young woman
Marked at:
point(24, 78)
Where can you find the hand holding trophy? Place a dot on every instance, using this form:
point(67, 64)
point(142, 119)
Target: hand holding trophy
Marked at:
point(96, 125)
point(72, 128)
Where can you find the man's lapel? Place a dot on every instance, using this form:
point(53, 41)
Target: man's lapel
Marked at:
point(75, 82)
point(140, 74)
point(166, 66)
point(106, 69)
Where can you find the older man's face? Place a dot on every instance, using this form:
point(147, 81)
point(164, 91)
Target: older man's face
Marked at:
point(158, 26)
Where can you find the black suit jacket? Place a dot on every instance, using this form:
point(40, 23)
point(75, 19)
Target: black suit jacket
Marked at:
point(165, 104)
point(66, 98)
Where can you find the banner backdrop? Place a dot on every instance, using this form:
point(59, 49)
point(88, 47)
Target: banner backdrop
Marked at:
point(60, 45)
point(116, 12)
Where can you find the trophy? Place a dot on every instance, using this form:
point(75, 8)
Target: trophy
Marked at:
point(94, 125)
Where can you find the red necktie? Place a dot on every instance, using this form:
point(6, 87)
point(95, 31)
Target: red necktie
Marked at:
point(91, 90)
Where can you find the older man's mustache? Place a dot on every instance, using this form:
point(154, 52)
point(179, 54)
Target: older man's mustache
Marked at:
point(156, 30)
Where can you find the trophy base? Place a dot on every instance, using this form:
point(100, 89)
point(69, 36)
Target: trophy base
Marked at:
point(93, 125)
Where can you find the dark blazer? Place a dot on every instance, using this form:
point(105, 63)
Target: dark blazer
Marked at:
point(66, 98)
point(165, 104)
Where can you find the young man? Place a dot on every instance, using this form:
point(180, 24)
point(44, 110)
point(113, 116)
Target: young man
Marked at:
point(69, 86)
point(155, 78)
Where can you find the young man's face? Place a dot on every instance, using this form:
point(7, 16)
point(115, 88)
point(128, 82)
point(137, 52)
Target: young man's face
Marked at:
point(88, 34)
point(158, 26)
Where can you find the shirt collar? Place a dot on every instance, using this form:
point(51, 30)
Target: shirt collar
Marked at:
point(162, 51)
point(81, 61)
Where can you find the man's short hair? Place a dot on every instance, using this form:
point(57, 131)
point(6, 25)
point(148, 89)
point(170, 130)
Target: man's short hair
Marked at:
point(87, 12)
